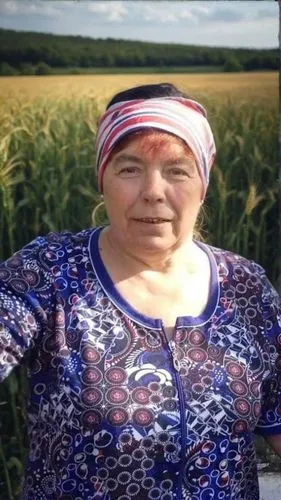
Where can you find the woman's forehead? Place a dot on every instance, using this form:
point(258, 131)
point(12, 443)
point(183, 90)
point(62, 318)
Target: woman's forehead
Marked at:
point(152, 142)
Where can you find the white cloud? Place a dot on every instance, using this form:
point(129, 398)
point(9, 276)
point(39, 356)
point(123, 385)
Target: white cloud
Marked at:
point(9, 7)
point(266, 14)
point(201, 9)
point(112, 11)
point(186, 14)
point(27, 7)
point(154, 14)
point(196, 13)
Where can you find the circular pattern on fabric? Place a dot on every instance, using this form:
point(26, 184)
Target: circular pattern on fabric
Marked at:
point(5, 274)
point(91, 376)
point(170, 448)
point(141, 395)
point(111, 462)
point(241, 288)
point(166, 484)
point(198, 355)
point(154, 493)
point(163, 437)
point(138, 454)
point(111, 484)
point(49, 484)
point(156, 399)
point(138, 474)
point(125, 460)
point(133, 489)
point(169, 391)
point(91, 396)
point(125, 438)
point(116, 375)
point(19, 285)
point(208, 447)
point(148, 483)
point(197, 388)
point(54, 342)
point(31, 277)
point(117, 416)
point(240, 426)
point(253, 301)
point(255, 388)
point(204, 481)
point(250, 312)
point(202, 462)
point(223, 479)
point(213, 351)
point(117, 396)
point(39, 388)
point(154, 387)
point(14, 262)
point(234, 369)
point(124, 477)
point(256, 409)
point(167, 496)
point(102, 473)
point(90, 355)
point(152, 341)
point(91, 418)
point(242, 407)
point(238, 388)
point(143, 417)
point(196, 337)
point(61, 284)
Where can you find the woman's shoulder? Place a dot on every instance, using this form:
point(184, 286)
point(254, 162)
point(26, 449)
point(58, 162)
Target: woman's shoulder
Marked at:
point(234, 261)
point(53, 243)
point(247, 277)
point(45, 259)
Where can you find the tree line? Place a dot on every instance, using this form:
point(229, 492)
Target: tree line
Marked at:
point(40, 53)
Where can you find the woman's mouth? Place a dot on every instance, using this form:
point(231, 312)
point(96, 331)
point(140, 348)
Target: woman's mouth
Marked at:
point(152, 220)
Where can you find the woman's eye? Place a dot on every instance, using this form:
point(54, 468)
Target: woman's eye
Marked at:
point(129, 170)
point(179, 172)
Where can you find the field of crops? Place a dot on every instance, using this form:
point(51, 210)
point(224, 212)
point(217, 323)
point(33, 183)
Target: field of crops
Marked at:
point(47, 182)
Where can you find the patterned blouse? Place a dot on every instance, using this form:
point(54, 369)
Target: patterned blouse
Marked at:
point(115, 410)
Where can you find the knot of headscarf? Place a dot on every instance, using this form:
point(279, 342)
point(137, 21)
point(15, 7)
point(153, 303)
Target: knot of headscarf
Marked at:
point(185, 118)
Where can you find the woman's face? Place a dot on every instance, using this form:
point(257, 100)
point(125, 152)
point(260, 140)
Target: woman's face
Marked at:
point(152, 192)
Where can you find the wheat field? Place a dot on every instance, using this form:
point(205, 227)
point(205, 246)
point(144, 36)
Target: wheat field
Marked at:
point(262, 85)
point(47, 130)
point(47, 181)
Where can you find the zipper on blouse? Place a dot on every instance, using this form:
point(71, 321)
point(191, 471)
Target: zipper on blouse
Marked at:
point(182, 412)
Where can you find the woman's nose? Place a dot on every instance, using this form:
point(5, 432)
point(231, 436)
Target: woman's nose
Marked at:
point(153, 189)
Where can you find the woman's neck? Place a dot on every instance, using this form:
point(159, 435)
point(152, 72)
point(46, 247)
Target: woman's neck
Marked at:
point(186, 256)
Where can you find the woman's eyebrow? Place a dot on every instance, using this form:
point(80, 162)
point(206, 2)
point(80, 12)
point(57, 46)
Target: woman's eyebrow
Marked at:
point(178, 160)
point(173, 161)
point(126, 157)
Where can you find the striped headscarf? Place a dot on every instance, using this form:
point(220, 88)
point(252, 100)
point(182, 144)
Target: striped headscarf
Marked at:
point(182, 117)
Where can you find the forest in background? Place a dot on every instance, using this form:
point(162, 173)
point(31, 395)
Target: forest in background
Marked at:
point(41, 53)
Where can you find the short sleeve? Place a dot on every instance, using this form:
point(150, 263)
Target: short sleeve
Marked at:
point(270, 418)
point(24, 287)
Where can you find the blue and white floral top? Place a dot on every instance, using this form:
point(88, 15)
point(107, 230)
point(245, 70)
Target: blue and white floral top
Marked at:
point(115, 410)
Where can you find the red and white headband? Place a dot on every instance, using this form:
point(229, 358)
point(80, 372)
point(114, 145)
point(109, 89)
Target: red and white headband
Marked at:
point(182, 117)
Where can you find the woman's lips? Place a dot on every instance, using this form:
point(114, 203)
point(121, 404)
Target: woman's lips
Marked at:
point(152, 220)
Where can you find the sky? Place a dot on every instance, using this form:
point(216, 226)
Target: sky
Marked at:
point(228, 23)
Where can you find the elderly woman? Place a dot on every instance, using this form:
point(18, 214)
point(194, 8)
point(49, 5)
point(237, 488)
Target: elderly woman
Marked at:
point(152, 357)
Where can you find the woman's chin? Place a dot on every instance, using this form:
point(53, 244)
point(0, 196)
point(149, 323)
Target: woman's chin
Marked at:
point(154, 242)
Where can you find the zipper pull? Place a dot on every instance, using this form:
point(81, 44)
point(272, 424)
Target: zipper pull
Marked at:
point(175, 361)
